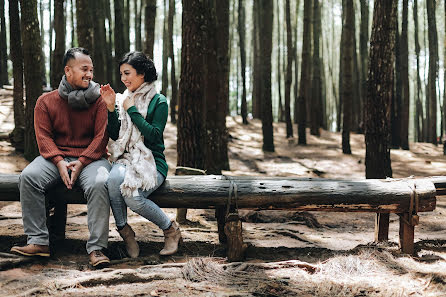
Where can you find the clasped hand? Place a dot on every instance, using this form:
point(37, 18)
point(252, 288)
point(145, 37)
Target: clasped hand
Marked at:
point(109, 97)
point(75, 167)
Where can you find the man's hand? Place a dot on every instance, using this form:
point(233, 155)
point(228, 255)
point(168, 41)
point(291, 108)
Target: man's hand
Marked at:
point(76, 168)
point(128, 102)
point(109, 97)
point(62, 166)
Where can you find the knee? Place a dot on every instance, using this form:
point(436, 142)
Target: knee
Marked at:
point(134, 203)
point(115, 178)
point(29, 175)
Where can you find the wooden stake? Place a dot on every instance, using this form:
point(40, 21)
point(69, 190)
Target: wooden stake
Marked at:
point(406, 234)
point(382, 227)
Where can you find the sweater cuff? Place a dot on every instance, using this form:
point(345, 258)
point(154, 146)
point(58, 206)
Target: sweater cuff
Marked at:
point(56, 159)
point(85, 161)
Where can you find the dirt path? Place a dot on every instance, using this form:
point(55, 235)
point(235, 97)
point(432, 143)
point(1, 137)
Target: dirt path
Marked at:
point(289, 253)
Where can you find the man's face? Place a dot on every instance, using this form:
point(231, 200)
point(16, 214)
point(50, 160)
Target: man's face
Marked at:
point(79, 71)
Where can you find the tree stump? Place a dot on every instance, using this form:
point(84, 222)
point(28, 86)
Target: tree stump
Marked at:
point(182, 212)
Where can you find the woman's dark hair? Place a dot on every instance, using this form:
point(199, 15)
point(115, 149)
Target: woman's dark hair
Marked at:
point(142, 65)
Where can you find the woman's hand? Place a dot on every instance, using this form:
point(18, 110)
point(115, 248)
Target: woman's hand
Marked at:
point(109, 97)
point(128, 102)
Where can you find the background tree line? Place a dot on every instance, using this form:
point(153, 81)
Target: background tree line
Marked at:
point(304, 62)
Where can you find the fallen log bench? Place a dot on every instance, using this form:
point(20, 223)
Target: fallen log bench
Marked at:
point(405, 197)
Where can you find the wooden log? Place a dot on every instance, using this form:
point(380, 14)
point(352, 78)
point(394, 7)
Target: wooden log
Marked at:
point(384, 196)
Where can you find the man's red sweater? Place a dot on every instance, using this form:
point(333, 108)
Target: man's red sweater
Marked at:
point(65, 132)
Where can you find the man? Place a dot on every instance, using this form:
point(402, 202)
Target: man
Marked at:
point(70, 125)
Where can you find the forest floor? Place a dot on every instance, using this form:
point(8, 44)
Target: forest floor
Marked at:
point(289, 254)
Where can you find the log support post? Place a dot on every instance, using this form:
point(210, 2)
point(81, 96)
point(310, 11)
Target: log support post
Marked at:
point(233, 230)
point(407, 232)
point(382, 227)
point(180, 170)
point(220, 215)
point(56, 218)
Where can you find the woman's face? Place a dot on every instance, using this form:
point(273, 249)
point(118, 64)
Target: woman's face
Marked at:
point(130, 78)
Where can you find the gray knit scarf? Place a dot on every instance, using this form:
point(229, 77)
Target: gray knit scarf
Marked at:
point(79, 99)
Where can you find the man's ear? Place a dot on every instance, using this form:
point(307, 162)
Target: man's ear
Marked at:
point(67, 70)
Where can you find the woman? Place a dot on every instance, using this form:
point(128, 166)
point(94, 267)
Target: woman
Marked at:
point(139, 165)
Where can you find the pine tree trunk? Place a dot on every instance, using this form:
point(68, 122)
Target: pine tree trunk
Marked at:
point(3, 47)
point(280, 111)
point(316, 96)
point(418, 105)
point(265, 28)
point(42, 42)
point(241, 32)
point(137, 7)
point(191, 104)
point(289, 71)
point(347, 76)
point(222, 50)
point(433, 71)
point(73, 34)
point(396, 101)
point(379, 89)
point(444, 87)
point(165, 75)
point(120, 49)
point(50, 6)
point(31, 59)
point(173, 79)
point(112, 68)
point(256, 103)
point(363, 55)
point(305, 76)
point(99, 49)
point(83, 26)
point(127, 25)
point(59, 49)
point(296, 68)
point(405, 96)
point(149, 22)
point(17, 135)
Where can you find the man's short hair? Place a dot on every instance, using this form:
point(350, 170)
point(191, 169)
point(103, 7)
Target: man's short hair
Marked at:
point(70, 54)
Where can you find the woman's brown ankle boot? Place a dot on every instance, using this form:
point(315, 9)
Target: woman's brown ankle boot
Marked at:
point(172, 237)
point(130, 242)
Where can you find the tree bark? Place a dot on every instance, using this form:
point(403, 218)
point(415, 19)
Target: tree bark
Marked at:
point(347, 75)
point(99, 44)
point(59, 49)
point(395, 116)
point(280, 110)
point(418, 105)
point(127, 25)
point(120, 49)
point(433, 72)
point(265, 37)
point(165, 74)
point(192, 106)
point(137, 6)
point(289, 71)
point(405, 95)
point(363, 54)
point(256, 102)
point(379, 90)
point(305, 76)
point(296, 68)
point(173, 79)
point(31, 60)
point(3, 47)
point(241, 32)
point(84, 28)
point(73, 34)
point(111, 67)
point(17, 135)
point(316, 108)
point(149, 22)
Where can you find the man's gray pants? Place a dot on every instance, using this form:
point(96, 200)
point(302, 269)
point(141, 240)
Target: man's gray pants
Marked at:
point(41, 175)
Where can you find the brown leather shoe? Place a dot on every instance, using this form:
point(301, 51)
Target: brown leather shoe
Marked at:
point(98, 259)
point(32, 250)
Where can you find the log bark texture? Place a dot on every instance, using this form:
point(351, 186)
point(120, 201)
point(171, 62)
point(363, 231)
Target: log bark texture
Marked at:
point(211, 191)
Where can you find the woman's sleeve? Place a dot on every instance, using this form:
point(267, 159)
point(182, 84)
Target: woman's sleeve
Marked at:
point(152, 133)
point(113, 125)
